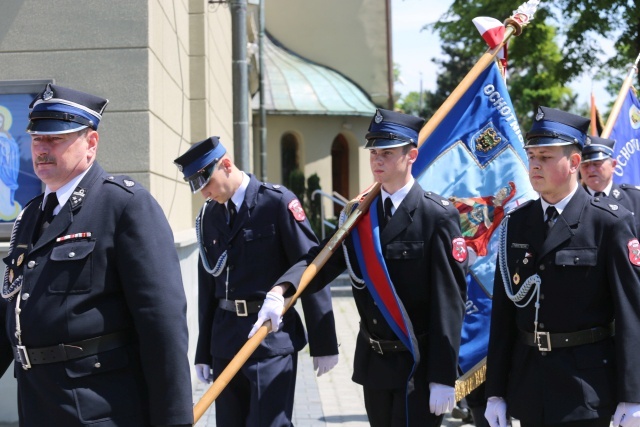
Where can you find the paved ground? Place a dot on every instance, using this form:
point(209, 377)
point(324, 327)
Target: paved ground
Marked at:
point(333, 399)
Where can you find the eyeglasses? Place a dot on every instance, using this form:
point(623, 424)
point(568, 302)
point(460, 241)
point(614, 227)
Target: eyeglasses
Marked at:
point(200, 179)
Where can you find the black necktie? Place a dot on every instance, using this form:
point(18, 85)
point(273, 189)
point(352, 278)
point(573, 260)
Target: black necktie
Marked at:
point(47, 213)
point(599, 194)
point(551, 213)
point(231, 211)
point(388, 204)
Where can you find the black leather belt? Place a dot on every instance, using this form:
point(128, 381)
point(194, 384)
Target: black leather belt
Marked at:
point(61, 352)
point(382, 346)
point(545, 341)
point(241, 307)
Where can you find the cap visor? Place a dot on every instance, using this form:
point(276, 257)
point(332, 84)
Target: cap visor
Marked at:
point(52, 127)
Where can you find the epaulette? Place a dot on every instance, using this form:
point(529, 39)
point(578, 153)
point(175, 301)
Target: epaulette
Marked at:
point(606, 205)
point(437, 199)
point(275, 187)
point(124, 182)
point(630, 187)
point(515, 208)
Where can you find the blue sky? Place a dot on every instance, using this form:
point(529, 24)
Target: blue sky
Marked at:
point(413, 49)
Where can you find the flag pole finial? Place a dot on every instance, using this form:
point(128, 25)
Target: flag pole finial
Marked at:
point(522, 15)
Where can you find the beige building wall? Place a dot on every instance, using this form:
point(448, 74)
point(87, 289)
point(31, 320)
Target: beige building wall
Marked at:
point(315, 135)
point(353, 37)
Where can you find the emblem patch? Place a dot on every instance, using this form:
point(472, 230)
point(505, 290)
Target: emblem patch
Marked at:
point(459, 249)
point(296, 209)
point(634, 252)
point(488, 139)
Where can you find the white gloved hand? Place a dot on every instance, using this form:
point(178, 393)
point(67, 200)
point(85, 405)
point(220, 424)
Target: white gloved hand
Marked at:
point(442, 398)
point(496, 412)
point(272, 309)
point(323, 364)
point(627, 415)
point(203, 371)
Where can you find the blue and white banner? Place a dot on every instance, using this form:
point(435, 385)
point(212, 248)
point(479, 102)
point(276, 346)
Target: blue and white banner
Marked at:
point(626, 133)
point(475, 158)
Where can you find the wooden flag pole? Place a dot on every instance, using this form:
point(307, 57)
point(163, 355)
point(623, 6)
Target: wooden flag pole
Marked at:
point(615, 111)
point(514, 25)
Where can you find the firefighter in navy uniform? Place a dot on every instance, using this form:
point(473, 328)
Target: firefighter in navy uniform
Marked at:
point(567, 269)
point(95, 308)
point(426, 259)
point(596, 171)
point(251, 232)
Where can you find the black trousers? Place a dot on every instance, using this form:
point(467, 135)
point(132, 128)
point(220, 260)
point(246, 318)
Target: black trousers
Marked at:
point(598, 422)
point(390, 408)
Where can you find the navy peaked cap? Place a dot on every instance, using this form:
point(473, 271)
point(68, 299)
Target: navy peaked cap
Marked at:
point(59, 109)
point(390, 129)
point(556, 127)
point(199, 156)
point(596, 148)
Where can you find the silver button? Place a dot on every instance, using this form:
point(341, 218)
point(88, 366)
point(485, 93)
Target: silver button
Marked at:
point(542, 267)
point(71, 254)
point(97, 365)
point(374, 321)
point(541, 325)
point(25, 296)
point(31, 264)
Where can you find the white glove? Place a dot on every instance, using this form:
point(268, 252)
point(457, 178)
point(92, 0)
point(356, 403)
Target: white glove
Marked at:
point(496, 412)
point(442, 398)
point(203, 372)
point(272, 309)
point(324, 364)
point(627, 415)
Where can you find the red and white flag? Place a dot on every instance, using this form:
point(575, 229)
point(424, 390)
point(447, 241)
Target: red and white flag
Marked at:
point(492, 31)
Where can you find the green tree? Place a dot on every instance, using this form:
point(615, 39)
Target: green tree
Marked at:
point(535, 61)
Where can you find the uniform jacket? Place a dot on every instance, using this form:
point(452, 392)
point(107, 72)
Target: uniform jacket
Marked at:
point(417, 247)
point(124, 277)
point(588, 280)
point(265, 241)
point(629, 197)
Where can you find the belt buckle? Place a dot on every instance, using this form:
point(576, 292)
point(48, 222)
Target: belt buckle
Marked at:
point(543, 339)
point(375, 345)
point(24, 357)
point(241, 308)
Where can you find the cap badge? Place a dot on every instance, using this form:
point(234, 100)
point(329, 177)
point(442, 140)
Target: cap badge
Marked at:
point(540, 115)
point(588, 141)
point(47, 95)
point(179, 166)
point(378, 118)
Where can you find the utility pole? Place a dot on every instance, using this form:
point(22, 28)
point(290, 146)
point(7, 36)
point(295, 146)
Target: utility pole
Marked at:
point(263, 111)
point(240, 80)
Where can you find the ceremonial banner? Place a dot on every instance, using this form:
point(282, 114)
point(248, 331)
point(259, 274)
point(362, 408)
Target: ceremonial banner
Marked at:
point(475, 158)
point(626, 133)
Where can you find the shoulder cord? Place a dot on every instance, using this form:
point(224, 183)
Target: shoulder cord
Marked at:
point(506, 278)
point(222, 261)
point(354, 279)
point(9, 290)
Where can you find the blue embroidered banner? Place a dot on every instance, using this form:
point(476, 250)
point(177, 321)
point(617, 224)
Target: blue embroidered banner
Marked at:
point(626, 133)
point(475, 158)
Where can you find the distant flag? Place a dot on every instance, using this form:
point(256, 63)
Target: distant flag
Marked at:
point(596, 120)
point(475, 158)
point(492, 31)
point(626, 133)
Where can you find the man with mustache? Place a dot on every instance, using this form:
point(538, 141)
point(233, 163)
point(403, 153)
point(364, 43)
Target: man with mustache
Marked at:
point(93, 306)
point(596, 171)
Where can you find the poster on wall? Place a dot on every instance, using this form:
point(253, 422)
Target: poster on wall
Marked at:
point(18, 182)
